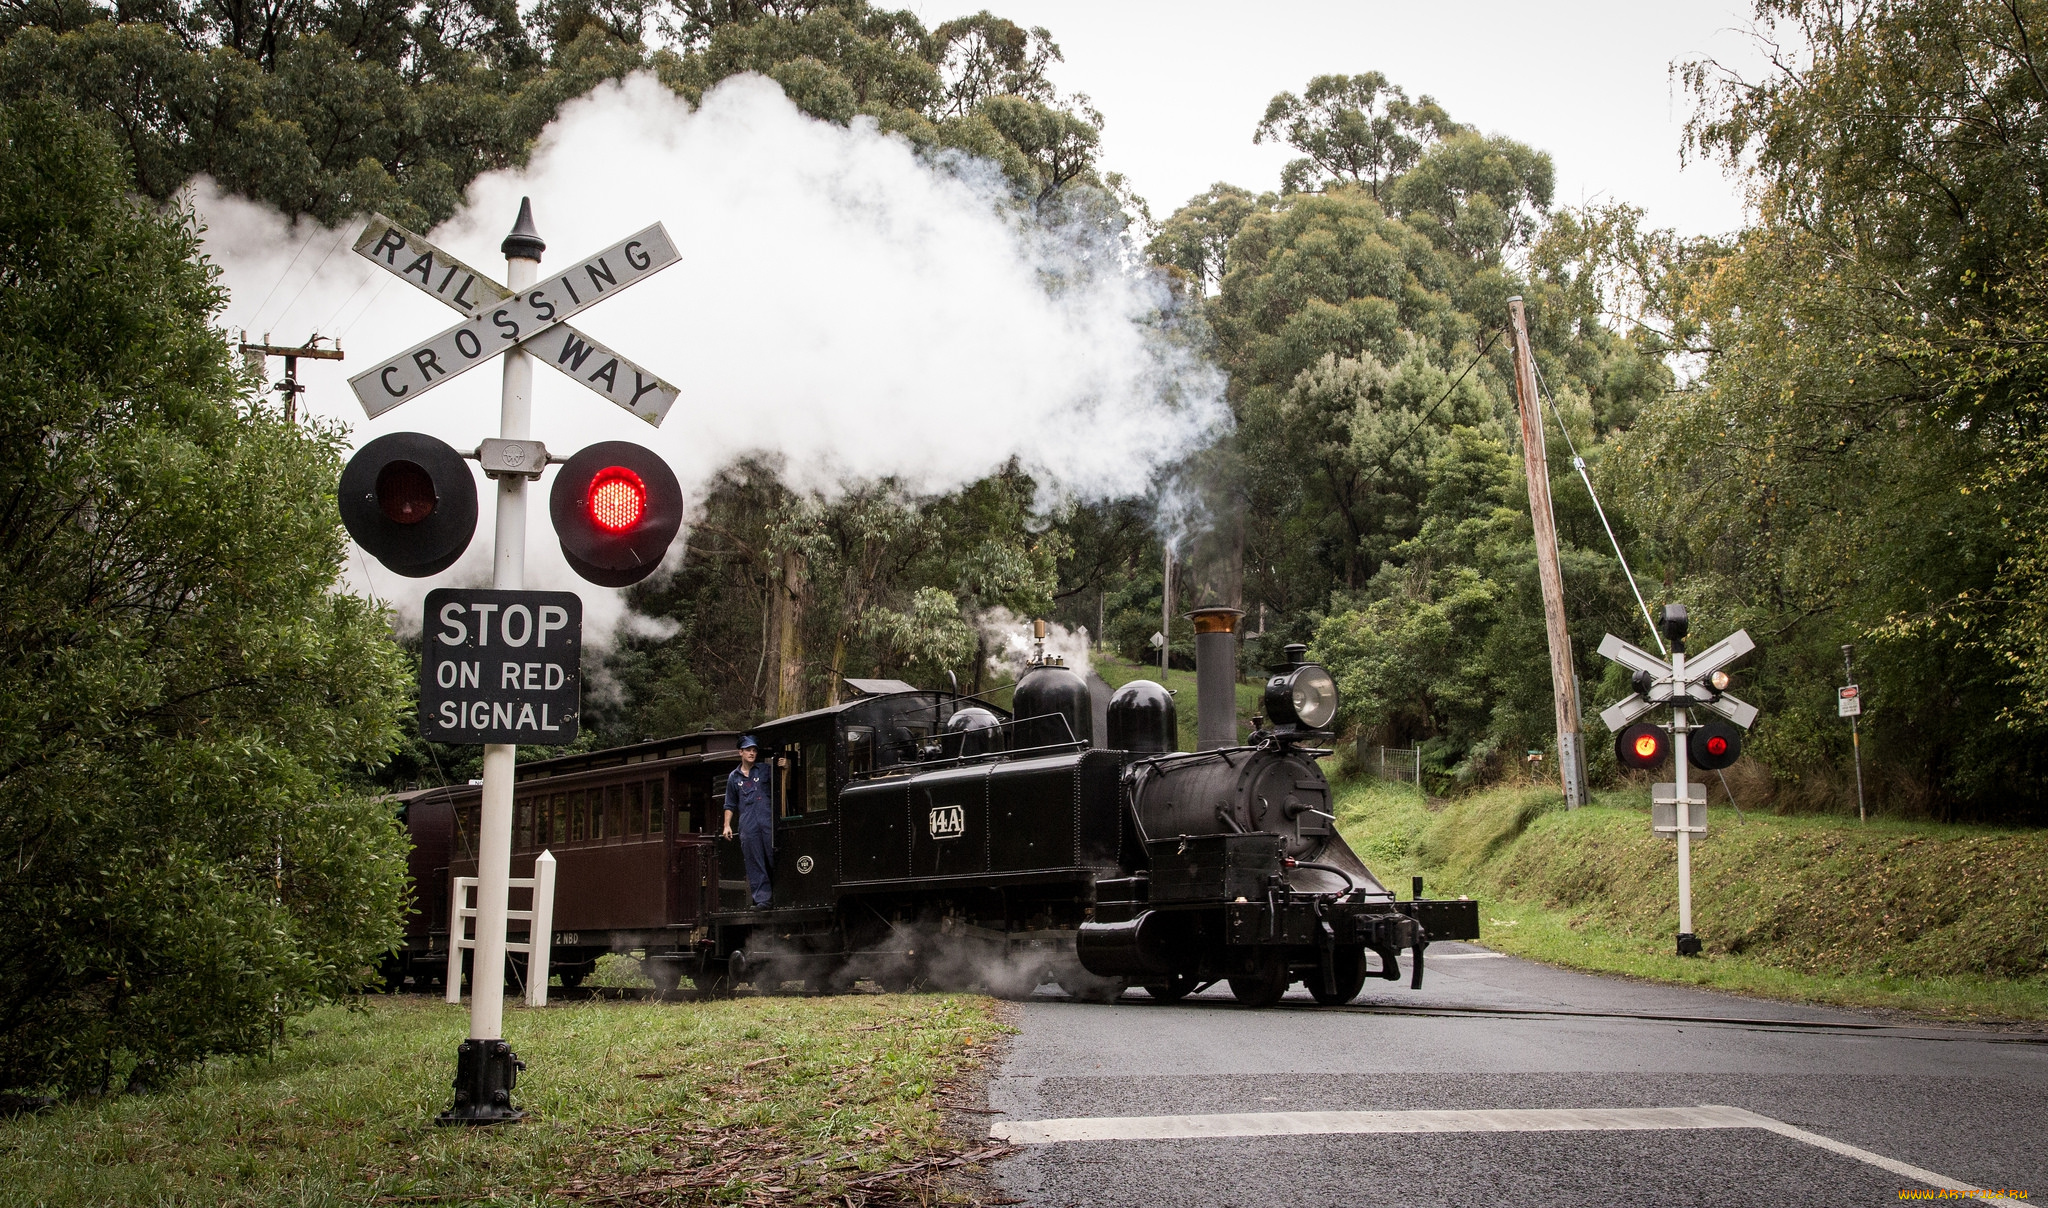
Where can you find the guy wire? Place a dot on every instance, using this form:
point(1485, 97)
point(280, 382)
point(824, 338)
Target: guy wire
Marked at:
point(1579, 464)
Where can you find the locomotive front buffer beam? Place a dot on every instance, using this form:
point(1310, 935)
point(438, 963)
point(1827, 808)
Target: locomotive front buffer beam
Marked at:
point(1209, 941)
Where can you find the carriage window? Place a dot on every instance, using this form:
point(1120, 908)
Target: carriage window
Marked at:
point(657, 816)
point(560, 829)
point(860, 750)
point(579, 825)
point(636, 811)
point(540, 821)
point(815, 801)
point(523, 827)
point(615, 812)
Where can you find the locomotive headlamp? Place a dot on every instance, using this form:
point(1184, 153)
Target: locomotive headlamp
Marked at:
point(1305, 696)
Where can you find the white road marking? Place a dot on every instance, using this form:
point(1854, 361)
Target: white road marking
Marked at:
point(1291, 1124)
point(1468, 956)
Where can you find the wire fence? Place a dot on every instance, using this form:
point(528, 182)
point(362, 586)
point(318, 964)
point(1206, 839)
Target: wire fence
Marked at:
point(1403, 764)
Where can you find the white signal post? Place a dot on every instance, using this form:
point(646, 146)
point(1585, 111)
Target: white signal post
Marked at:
point(1679, 729)
point(508, 573)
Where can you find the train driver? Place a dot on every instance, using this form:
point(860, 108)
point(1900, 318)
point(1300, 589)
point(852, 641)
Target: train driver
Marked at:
point(748, 794)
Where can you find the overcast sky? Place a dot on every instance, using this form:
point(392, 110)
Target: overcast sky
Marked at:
point(1182, 84)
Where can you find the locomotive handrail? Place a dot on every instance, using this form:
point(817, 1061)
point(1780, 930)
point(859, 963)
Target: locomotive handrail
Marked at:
point(913, 764)
point(1350, 882)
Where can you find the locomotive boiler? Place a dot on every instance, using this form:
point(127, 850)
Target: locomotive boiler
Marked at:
point(929, 838)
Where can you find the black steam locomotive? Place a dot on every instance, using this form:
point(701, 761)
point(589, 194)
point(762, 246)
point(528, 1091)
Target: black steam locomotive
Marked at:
point(927, 838)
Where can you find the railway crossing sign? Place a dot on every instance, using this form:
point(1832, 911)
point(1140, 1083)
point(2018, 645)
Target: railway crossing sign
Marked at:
point(497, 320)
point(1682, 684)
point(502, 667)
point(1656, 684)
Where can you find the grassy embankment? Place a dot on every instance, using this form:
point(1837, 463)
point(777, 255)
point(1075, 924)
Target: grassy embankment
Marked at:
point(762, 1100)
point(1942, 920)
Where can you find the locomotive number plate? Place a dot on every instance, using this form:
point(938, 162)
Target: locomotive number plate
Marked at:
point(948, 821)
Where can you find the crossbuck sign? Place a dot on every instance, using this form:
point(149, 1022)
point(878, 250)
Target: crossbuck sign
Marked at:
point(1680, 686)
point(499, 320)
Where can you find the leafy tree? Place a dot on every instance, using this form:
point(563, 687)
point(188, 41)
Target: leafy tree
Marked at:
point(1384, 519)
point(1196, 240)
point(189, 694)
point(1859, 462)
point(1358, 129)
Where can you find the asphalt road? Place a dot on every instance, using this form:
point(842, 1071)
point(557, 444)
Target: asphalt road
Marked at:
point(1504, 1082)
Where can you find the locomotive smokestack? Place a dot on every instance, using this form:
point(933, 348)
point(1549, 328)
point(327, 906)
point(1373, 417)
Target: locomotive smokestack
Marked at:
point(1215, 677)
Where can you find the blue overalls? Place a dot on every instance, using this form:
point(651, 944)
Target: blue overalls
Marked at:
point(749, 796)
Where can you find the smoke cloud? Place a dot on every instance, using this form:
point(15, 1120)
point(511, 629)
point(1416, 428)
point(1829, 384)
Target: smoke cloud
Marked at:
point(1011, 644)
point(840, 304)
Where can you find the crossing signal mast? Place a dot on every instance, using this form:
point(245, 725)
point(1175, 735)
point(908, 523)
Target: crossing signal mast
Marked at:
point(411, 503)
point(1682, 684)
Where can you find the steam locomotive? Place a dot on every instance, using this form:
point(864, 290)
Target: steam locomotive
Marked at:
point(929, 838)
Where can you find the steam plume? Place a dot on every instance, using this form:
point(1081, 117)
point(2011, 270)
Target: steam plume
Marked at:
point(840, 303)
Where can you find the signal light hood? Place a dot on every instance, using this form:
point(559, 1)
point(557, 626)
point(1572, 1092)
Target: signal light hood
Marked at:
point(409, 502)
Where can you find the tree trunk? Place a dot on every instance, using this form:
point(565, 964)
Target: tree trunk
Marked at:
point(789, 687)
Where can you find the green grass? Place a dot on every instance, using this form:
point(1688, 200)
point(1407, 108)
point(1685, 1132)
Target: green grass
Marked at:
point(1933, 919)
point(1117, 672)
point(712, 1102)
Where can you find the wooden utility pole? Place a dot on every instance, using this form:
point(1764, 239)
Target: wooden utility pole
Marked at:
point(254, 355)
point(1571, 760)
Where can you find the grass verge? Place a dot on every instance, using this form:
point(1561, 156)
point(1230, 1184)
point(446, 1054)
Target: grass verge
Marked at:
point(756, 1100)
point(1935, 920)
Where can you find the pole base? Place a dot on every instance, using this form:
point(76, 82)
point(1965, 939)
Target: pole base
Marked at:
point(485, 1073)
point(1688, 944)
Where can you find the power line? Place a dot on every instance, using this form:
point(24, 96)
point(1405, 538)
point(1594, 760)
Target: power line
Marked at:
point(258, 314)
point(339, 235)
point(1417, 427)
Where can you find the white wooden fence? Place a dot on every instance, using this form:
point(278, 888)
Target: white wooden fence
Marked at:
point(540, 929)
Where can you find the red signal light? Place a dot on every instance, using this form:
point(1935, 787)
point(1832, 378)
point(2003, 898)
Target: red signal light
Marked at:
point(618, 499)
point(1715, 745)
point(616, 507)
point(1641, 746)
point(409, 502)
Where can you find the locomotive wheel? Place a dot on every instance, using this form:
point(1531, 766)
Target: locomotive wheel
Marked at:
point(1175, 988)
point(1350, 978)
point(1263, 988)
